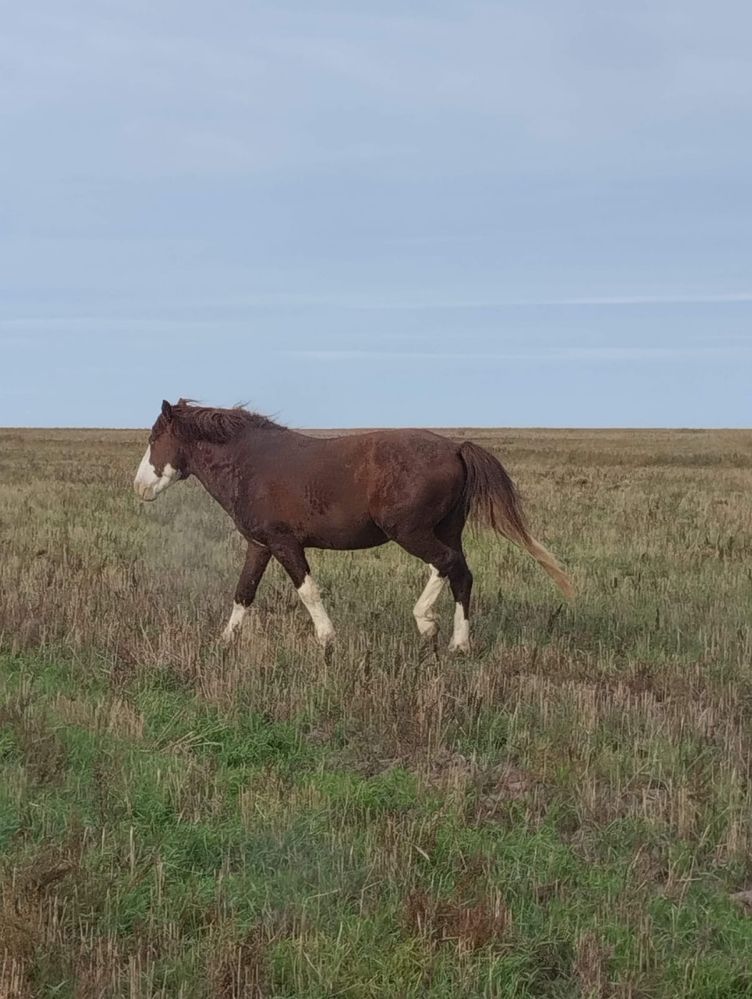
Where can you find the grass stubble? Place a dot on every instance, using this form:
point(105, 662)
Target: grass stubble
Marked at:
point(565, 812)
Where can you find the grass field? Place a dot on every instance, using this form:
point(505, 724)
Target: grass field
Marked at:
point(566, 812)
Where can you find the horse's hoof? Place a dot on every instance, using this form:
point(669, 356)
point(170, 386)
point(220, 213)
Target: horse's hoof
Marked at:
point(428, 627)
point(326, 639)
point(459, 649)
point(429, 640)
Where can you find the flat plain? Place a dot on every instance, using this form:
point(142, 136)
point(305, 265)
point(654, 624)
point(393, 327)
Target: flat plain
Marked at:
point(565, 812)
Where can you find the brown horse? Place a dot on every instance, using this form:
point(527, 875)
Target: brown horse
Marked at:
point(287, 492)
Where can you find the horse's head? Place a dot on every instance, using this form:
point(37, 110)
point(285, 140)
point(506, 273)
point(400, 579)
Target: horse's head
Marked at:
point(165, 459)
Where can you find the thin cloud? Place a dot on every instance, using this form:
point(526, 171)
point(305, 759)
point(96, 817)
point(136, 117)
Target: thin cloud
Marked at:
point(711, 298)
point(547, 354)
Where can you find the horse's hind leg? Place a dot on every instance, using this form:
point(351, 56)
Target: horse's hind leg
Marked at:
point(461, 581)
point(447, 562)
point(423, 612)
point(292, 558)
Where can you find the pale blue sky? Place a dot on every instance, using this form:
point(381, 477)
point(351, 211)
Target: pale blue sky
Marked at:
point(528, 213)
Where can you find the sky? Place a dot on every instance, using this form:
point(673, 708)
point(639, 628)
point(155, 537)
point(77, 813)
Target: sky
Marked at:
point(528, 213)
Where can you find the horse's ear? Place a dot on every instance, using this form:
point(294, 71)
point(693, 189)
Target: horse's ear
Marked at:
point(166, 410)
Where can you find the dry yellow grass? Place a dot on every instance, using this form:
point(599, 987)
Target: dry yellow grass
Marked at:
point(566, 812)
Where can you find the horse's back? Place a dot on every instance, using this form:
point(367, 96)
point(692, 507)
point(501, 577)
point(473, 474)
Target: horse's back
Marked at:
point(353, 491)
point(414, 474)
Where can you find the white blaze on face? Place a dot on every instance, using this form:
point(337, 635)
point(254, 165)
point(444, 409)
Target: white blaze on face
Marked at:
point(461, 638)
point(309, 594)
point(148, 484)
point(425, 616)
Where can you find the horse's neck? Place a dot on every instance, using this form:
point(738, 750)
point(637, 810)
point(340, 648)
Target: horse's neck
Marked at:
point(218, 467)
point(211, 464)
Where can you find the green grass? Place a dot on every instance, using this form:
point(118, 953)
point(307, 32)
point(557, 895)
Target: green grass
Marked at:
point(564, 813)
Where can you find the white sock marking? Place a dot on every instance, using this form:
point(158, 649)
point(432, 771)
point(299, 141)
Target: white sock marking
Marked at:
point(423, 611)
point(461, 638)
point(309, 594)
point(233, 625)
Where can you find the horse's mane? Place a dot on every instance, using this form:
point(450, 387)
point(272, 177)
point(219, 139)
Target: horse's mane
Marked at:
point(209, 423)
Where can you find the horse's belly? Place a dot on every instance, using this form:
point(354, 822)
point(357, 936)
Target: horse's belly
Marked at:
point(345, 536)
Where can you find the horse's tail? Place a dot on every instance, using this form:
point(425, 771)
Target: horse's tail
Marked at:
point(491, 497)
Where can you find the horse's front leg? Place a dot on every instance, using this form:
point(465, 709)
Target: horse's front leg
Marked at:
point(256, 560)
point(292, 558)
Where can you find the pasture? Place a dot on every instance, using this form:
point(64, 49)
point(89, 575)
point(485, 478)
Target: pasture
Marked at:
point(565, 812)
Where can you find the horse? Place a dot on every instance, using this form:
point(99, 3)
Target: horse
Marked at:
point(287, 491)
